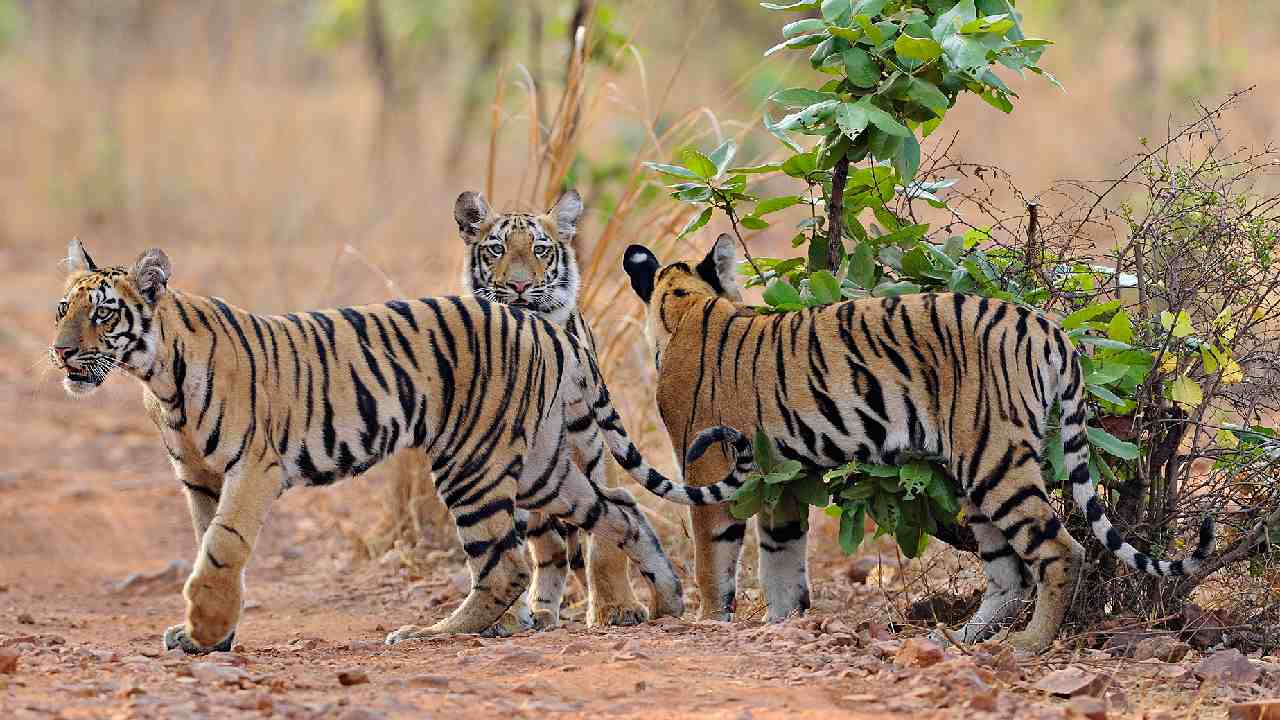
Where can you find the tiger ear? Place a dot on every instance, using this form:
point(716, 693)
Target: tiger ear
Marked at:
point(565, 213)
point(151, 274)
point(78, 259)
point(719, 268)
point(471, 213)
point(642, 267)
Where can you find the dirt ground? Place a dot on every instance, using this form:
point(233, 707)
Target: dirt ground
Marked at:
point(94, 533)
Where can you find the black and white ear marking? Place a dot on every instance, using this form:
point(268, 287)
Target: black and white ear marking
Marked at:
point(565, 214)
point(719, 268)
point(78, 259)
point(470, 211)
point(642, 267)
point(151, 274)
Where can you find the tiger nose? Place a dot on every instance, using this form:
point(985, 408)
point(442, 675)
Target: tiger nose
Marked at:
point(520, 286)
point(64, 352)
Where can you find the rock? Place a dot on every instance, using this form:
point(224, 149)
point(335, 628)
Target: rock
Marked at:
point(1161, 647)
point(918, 652)
point(219, 674)
point(886, 648)
point(227, 658)
point(361, 714)
point(1256, 710)
point(988, 701)
point(1202, 628)
point(1087, 707)
point(353, 676)
point(366, 646)
point(577, 648)
point(434, 682)
point(25, 619)
point(9, 661)
point(1072, 681)
point(100, 656)
point(860, 567)
point(1228, 666)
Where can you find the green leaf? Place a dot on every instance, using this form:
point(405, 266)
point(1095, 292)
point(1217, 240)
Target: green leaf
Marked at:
point(928, 95)
point(746, 507)
point(1057, 455)
point(1105, 394)
point(778, 132)
point(882, 120)
point(910, 539)
point(863, 72)
point(798, 97)
point(894, 289)
point(1187, 393)
point(906, 159)
point(722, 156)
point(825, 287)
point(809, 488)
point(751, 222)
point(783, 295)
point(1101, 342)
point(1120, 328)
point(837, 12)
point(1177, 325)
point(671, 170)
point(950, 22)
point(993, 24)
point(851, 119)
point(696, 223)
point(1111, 444)
point(862, 266)
point(1087, 313)
point(797, 5)
point(774, 204)
point(803, 27)
point(700, 164)
point(799, 166)
point(873, 32)
point(852, 526)
point(783, 472)
point(755, 169)
point(763, 447)
point(869, 7)
point(921, 49)
point(795, 43)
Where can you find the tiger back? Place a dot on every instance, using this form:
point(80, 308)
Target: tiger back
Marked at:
point(970, 382)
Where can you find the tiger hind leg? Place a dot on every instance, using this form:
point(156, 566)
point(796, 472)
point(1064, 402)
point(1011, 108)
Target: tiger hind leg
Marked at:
point(1019, 508)
point(784, 576)
point(1008, 581)
point(612, 515)
point(494, 546)
point(551, 563)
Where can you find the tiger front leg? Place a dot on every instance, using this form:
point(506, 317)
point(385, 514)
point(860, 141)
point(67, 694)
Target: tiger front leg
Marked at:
point(215, 589)
point(494, 546)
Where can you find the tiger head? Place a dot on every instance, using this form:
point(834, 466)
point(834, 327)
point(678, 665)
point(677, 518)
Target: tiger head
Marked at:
point(522, 259)
point(669, 292)
point(105, 318)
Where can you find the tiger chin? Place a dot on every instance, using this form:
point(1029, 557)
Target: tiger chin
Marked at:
point(527, 260)
point(249, 405)
point(968, 381)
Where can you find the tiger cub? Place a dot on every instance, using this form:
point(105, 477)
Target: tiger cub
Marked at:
point(249, 405)
point(527, 260)
point(968, 381)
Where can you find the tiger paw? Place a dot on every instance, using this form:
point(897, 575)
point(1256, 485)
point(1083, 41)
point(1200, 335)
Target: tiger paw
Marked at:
point(544, 619)
point(409, 632)
point(178, 637)
point(620, 614)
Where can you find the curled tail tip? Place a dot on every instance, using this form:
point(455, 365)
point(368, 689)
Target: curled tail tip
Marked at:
point(1207, 532)
point(709, 437)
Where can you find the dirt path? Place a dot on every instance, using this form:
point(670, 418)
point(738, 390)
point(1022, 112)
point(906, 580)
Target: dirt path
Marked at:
point(87, 500)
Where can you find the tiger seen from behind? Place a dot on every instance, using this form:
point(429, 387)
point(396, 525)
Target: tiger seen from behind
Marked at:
point(967, 381)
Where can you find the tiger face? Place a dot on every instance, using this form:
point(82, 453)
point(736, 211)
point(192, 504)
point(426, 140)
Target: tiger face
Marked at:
point(104, 320)
point(522, 259)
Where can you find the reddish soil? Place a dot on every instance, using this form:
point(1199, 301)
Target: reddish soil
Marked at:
point(87, 500)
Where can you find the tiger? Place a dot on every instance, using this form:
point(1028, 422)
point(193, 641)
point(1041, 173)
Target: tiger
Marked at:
point(967, 381)
point(527, 260)
point(249, 405)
